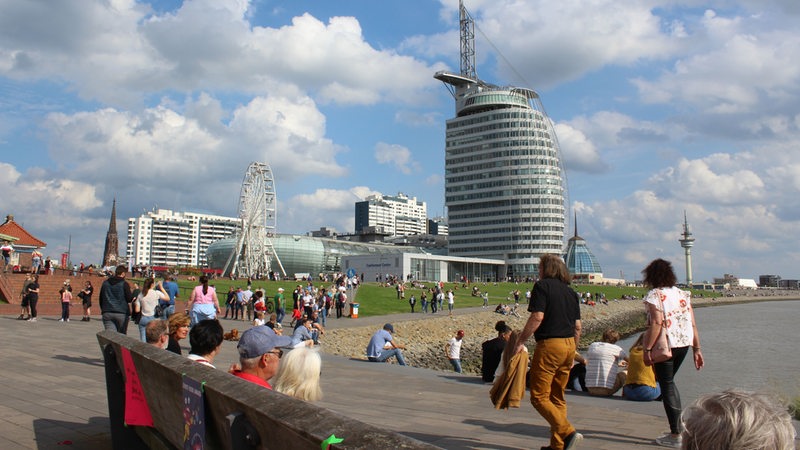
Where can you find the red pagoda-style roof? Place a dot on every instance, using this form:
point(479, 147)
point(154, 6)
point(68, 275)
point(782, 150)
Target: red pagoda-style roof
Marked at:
point(25, 239)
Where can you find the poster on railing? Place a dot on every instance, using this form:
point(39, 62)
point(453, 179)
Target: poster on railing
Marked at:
point(194, 428)
point(136, 410)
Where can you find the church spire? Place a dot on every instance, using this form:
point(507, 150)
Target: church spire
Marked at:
point(111, 250)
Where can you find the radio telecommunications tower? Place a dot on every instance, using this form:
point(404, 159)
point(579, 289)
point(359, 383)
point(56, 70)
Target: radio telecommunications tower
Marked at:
point(687, 242)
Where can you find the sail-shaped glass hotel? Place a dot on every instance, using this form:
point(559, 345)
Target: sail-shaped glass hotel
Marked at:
point(504, 182)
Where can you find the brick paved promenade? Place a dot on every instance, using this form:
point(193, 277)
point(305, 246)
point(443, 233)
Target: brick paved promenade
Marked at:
point(53, 395)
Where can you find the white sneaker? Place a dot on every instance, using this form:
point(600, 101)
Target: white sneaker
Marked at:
point(572, 441)
point(60, 320)
point(67, 320)
point(669, 440)
point(32, 319)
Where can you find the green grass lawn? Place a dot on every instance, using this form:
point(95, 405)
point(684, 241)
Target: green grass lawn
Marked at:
point(376, 300)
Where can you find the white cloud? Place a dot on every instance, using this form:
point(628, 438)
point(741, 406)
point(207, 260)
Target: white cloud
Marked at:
point(578, 152)
point(110, 145)
point(550, 44)
point(397, 156)
point(434, 179)
point(46, 206)
point(118, 52)
point(326, 208)
point(417, 119)
point(697, 180)
point(737, 204)
point(735, 64)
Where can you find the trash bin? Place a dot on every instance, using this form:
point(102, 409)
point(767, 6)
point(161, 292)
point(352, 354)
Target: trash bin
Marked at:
point(354, 310)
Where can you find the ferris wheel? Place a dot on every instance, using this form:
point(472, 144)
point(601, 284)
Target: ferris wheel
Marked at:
point(254, 252)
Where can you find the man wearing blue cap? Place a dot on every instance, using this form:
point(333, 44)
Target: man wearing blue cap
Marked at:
point(259, 354)
point(382, 347)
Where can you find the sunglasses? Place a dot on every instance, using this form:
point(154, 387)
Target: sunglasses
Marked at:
point(278, 352)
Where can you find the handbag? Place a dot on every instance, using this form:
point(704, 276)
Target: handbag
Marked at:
point(159, 311)
point(661, 351)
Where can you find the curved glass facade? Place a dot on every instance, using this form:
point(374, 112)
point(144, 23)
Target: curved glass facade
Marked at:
point(504, 184)
point(579, 259)
point(306, 254)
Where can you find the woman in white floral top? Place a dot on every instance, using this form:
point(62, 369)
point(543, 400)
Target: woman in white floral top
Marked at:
point(682, 334)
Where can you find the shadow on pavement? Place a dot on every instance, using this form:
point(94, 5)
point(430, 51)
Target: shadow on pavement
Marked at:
point(57, 434)
point(80, 359)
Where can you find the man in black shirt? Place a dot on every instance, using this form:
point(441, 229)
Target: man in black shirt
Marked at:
point(555, 322)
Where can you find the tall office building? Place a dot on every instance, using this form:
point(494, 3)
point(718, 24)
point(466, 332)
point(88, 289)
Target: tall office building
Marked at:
point(504, 182)
point(398, 215)
point(166, 238)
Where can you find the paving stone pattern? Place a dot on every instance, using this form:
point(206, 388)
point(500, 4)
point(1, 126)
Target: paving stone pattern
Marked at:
point(53, 396)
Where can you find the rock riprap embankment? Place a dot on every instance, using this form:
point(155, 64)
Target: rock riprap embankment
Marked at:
point(425, 339)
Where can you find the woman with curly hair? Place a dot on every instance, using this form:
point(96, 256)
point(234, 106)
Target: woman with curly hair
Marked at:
point(665, 303)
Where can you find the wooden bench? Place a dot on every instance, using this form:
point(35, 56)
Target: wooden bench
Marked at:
point(238, 414)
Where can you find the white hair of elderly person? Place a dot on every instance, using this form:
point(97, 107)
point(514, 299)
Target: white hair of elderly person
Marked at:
point(299, 374)
point(737, 420)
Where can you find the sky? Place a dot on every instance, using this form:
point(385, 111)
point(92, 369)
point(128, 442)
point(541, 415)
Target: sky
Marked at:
point(660, 106)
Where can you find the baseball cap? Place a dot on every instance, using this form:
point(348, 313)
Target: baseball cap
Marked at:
point(388, 327)
point(259, 340)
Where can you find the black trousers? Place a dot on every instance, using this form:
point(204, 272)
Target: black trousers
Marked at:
point(670, 397)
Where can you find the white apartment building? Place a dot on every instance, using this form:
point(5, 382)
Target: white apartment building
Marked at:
point(398, 215)
point(167, 238)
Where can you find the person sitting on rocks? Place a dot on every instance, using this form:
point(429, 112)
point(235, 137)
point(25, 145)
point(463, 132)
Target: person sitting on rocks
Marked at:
point(301, 337)
point(604, 376)
point(382, 346)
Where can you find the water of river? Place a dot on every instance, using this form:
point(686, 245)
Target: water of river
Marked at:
point(750, 346)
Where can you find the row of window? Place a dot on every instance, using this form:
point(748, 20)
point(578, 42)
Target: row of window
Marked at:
point(513, 229)
point(531, 239)
point(499, 125)
point(482, 172)
point(517, 213)
point(476, 251)
point(511, 204)
point(502, 193)
point(535, 118)
point(494, 98)
point(499, 182)
point(503, 136)
point(520, 156)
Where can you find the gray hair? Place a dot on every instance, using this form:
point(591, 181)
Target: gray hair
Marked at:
point(737, 420)
point(249, 363)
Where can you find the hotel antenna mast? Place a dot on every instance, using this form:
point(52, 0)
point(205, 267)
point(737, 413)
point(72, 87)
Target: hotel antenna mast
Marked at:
point(505, 186)
point(687, 241)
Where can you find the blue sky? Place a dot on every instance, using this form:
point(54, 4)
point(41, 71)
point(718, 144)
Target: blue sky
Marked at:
point(660, 107)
